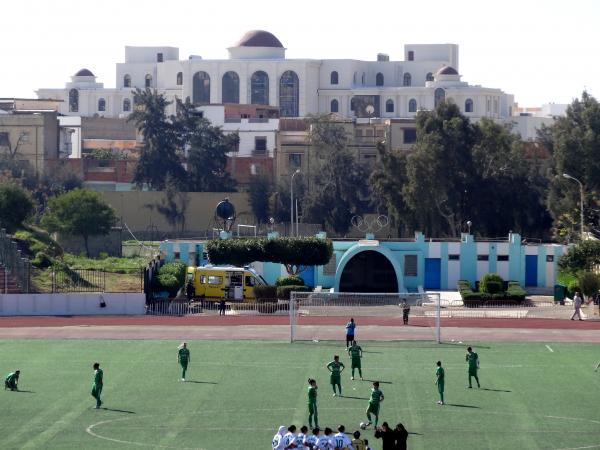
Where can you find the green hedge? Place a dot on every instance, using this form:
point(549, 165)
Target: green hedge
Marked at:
point(291, 280)
point(493, 278)
point(514, 292)
point(283, 292)
point(266, 292)
point(170, 277)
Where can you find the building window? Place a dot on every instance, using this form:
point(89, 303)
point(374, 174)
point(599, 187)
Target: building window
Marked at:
point(410, 265)
point(439, 96)
point(496, 106)
point(549, 258)
point(453, 257)
point(389, 106)
point(73, 100)
point(259, 88)
point(469, 105)
point(148, 81)
point(352, 104)
point(288, 94)
point(126, 105)
point(363, 79)
point(407, 79)
point(487, 105)
point(179, 78)
point(412, 105)
point(379, 79)
point(101, 105)
point(201, 88)
point(411, 55)
point(483, 257)
point(295, 160)
point(260, 144)
point(231, 87)
point(334, 78)
point(127, 81)
point(502, 257)
point(409, 135)
point(334, 106)
point(4, 139)
point(429, 76)
point(354, 78)
point(159, 57)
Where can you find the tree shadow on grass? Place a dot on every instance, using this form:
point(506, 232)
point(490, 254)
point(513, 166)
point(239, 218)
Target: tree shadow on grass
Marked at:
point(201, 382)
point(118, 410)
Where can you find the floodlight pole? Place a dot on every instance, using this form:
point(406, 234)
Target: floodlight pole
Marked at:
point(292, 202)
point(566, 175)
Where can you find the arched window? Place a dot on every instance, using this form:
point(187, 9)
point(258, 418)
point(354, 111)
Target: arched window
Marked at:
point(148, 81)
point(412, 105)
point(231, 88)
point(389, 106)
point(352, 104)
point(354, 78)
point(127, 81)
point(259, 88)
point(469, 105)
point(126, 105)
point(288, 94)
point(407, 79)
point(73, 100)
point(439, 96)
point(379, 79)
point(429, 77)
point(334, 79)
point(335, 106)
point(179, 78)
point(201, 88)
point(101, 104)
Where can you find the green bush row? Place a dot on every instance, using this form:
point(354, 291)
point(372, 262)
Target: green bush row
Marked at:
point(290, 280)
point(170, 277)
point(269, 293)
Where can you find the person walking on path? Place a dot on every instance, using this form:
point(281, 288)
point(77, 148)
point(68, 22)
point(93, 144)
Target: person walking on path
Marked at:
point(222, 307)
point(405, 312)
point(577, 304)
point(350, 327)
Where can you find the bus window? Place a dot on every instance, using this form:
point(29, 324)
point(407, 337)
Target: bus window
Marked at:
point(249, 280)
point(203, 279)
point(212, 279)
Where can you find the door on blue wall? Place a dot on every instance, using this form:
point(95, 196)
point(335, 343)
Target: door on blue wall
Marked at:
point(531, 266)
point(308, 275)
point(433, 273)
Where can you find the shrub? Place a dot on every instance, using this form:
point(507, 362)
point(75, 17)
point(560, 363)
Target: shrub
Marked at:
point(582, 256)
point(283, 292)
point(494, 288)
point(489, 277)
point(265, 292)
point(572, 288)
point(41, 260)
point(291, 280)
point(170, 277)
point(589, 283)
point(15, 206)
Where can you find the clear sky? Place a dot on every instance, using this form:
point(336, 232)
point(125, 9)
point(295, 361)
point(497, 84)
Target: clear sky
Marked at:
point(541, 51)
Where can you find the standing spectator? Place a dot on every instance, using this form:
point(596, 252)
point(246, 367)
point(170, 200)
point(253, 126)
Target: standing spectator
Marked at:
point(597, 298)
point(401, 437)
point(577, 304)
point(350, 326)
point(387, 436)
point(190, 291)
point(405, 312)
point(222, 307)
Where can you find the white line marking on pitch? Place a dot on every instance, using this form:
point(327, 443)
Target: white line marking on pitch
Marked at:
point(549, 348)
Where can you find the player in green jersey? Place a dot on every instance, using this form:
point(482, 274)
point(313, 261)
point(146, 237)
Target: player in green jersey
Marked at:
point(473, 359)
point(355, 352)
point(336, 368)
point(312, 403)
point(98, 384)
point(12, 380)
point(183, 358)
point(439, 380)
point(374, 402)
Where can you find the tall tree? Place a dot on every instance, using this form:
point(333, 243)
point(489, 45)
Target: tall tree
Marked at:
point(160, 154)
point(575, 144)
point(337, 181)
point(80, 212)
point(15, 206)
point(207, 148)
point(259, 191)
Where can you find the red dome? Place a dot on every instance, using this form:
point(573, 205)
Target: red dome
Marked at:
point(259, 38)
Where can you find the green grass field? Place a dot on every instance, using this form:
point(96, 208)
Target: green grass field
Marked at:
point(239, 392)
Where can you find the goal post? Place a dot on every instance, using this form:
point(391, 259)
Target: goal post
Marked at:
point(319, 315)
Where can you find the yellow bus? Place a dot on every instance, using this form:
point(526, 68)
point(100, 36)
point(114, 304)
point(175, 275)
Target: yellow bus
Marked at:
point(228, 282)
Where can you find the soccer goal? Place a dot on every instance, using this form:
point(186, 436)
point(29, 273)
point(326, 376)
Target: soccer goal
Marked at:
point(323, 315)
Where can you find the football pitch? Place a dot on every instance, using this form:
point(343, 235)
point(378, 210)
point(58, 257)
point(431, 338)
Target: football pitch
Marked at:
point(533, 396)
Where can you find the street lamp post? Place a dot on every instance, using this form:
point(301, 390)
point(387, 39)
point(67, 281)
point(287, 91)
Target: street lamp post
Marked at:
point(292, 201)
point(566, 175)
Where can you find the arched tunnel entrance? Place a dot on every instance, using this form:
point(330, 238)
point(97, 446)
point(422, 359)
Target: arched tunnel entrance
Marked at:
point(369, 271)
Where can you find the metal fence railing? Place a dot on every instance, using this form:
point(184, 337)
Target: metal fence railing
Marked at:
point(17, 266)
point(78, 280)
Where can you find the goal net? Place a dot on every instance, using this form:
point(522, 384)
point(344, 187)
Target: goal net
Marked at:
point(323, 316)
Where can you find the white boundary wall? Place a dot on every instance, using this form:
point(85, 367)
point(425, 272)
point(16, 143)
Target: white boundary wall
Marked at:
point(80, 304)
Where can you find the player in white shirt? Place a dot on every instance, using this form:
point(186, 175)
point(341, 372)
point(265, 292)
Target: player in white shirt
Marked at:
point(289, 438)
point(324, 441)
point(278, 439)
point(340, 440)
point(310, 442)
point(300, 437)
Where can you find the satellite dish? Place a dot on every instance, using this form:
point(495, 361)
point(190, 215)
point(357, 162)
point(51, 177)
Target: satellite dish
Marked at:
point(370, 109)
